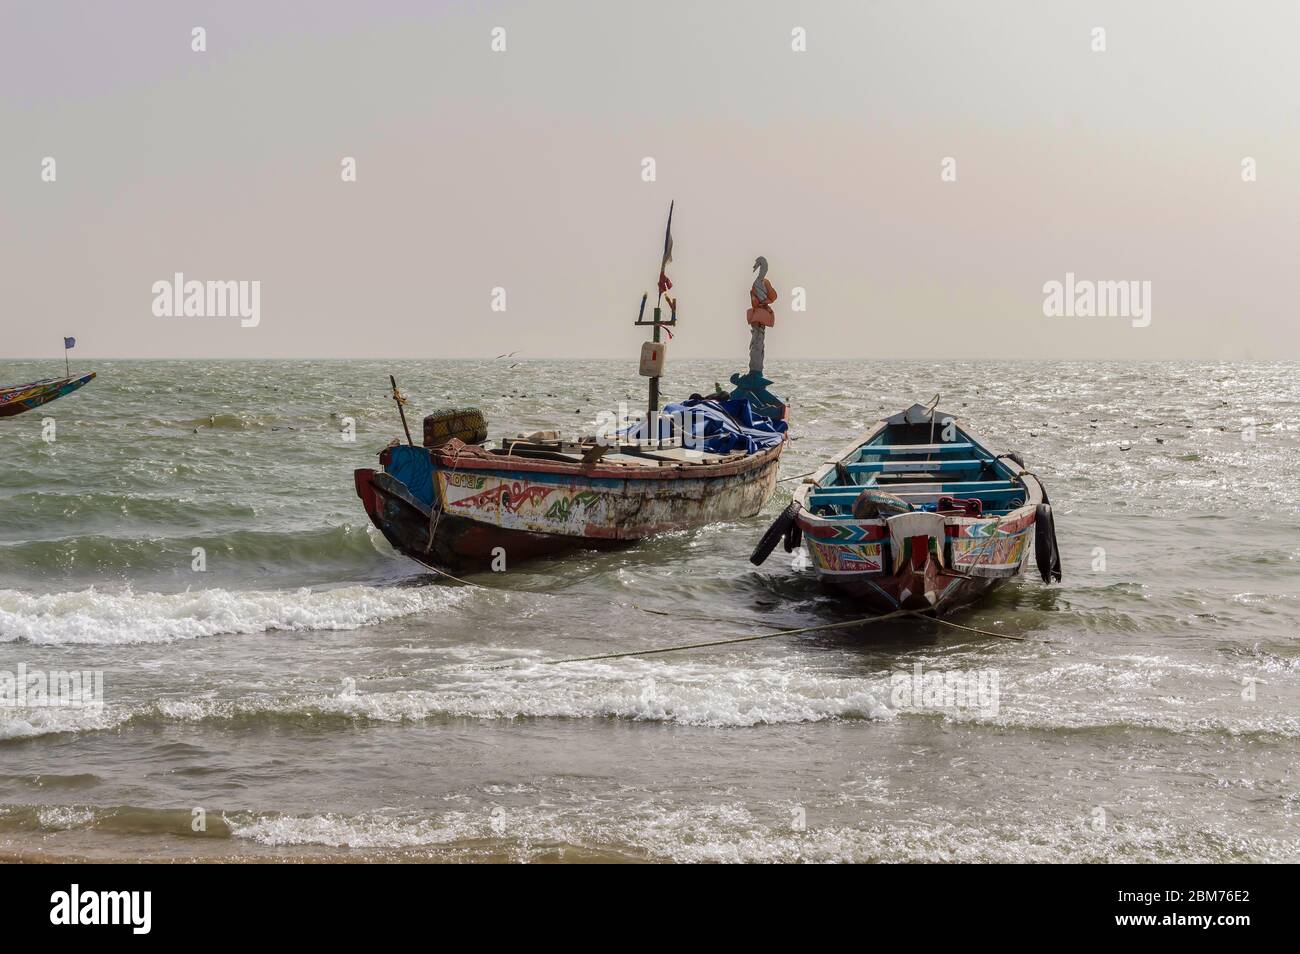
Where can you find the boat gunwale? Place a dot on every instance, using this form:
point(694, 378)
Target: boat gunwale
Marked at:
point(445, 459)
point(20, 398)
point(808, 520)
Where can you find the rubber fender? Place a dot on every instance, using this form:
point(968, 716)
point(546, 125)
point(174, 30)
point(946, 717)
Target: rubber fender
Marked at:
point(1046, 553)
point(767, 543)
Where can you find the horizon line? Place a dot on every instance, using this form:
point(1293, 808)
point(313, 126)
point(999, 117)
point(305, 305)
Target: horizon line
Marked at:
point(522, 360)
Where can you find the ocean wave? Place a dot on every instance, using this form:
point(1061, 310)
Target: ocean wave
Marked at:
point(733, 832)
point(118, 819)
point(99, 618)
point(348, 545)
point(1131, 693)
point(643, 829)
point(696, 695)
point(35, 512)
point(706, 696)
point(232, 421)
point(32, 722)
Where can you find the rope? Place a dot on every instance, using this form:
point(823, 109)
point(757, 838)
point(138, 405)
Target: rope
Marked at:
point(716, 642)
point(442, 572)
point(970, 629)
point(436, 513)
point(749, 639)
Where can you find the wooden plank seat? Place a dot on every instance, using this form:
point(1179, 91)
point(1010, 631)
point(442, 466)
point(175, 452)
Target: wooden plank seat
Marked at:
point(994, 499)
point(634, 460)
point(989, 491)
point(896, 449)
point(960, 488)
point(918, 466)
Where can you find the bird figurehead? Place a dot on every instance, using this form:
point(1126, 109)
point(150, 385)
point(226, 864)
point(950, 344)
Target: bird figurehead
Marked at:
point(760, 288)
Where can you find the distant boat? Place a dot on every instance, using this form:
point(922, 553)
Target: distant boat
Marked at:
point(918, 514)
point(18, 398)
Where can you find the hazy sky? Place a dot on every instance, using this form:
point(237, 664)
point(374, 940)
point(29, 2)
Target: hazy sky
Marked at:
point(523, 170)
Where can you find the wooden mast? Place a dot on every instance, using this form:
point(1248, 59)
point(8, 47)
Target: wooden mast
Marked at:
point(657, 322)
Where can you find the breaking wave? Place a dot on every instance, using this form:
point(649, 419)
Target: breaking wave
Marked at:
point(333, 548)
point(644, 829)
point(714, 694)
point(92, 617)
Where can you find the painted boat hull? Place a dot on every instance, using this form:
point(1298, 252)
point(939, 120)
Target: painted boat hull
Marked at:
point(923, 583)
point(483, 514)
point(24, 397)
point(932, 562)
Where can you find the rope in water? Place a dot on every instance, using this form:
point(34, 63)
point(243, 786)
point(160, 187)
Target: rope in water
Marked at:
point(749, 639)
point(866, 620)
point(972, 629)
point(743, 639)
point(714, 642)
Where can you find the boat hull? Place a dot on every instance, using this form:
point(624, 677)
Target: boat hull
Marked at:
point(922, 559)
point(24, 397)
point(887, 594)
point(481, 515)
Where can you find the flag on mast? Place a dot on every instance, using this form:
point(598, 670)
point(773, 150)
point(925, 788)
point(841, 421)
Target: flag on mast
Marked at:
point(69, 343)
point(665, 282)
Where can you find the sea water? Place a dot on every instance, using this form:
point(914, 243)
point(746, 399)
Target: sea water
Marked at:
point(276, 681)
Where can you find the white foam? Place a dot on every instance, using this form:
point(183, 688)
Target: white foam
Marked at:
point(341, 831)
point(64, 817)
point(694, 694)
point(731, 832)
point(704, 692)
point(119, 619)
point(26, 723)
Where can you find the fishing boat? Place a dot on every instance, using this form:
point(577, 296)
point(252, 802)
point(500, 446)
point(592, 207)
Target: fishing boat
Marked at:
point(918, 514)
point(459, 501)
point(18, 398)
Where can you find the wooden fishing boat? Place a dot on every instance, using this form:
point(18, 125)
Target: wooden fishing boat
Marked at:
point(917, 514)
point(458, 501)
point(18, 398)
point(473, 505)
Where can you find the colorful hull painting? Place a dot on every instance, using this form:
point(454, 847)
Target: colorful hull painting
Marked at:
point(940, 557)
point(24, 397)
point(479, 506)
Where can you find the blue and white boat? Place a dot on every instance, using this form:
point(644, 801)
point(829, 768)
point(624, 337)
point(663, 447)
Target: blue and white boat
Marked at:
point(918, 514)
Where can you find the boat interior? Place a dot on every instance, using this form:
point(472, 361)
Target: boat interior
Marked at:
point(588, 451)
point(902, 460)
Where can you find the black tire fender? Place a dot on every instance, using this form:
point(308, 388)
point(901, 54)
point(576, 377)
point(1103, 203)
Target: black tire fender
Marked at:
point(793, 537)
point(772, 536)
point(1046, 554)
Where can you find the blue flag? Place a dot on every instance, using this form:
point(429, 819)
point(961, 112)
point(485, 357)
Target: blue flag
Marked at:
point(69, 343)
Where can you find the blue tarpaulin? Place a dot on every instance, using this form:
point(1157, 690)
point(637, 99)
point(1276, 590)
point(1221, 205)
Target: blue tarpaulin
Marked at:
point(717, 427)
point(413, 467)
